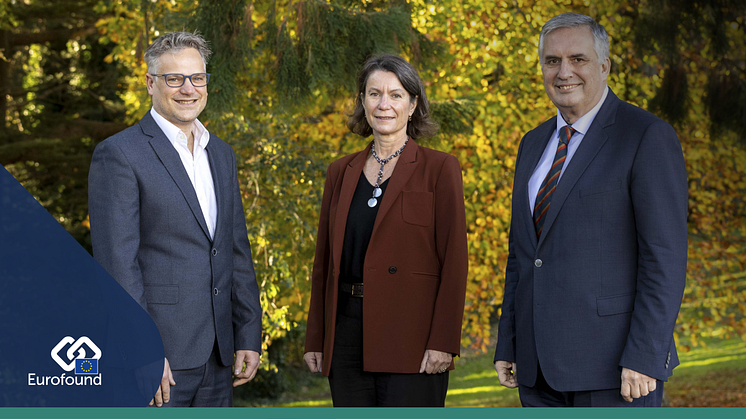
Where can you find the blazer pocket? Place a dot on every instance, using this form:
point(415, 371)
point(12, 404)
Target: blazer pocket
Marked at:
point(427, 275)
point(597, 189)
point(161, 294)
point(417, 207)
point(618, 304)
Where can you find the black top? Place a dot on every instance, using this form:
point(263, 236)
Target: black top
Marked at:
point(359, 228)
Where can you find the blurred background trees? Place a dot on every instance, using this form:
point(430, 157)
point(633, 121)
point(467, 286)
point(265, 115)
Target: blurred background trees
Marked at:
point(72, 73)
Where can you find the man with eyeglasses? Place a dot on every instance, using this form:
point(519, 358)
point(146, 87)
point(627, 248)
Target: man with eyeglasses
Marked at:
point(167, 222)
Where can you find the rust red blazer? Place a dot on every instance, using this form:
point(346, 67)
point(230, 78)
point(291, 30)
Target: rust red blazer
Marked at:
point(415, 268)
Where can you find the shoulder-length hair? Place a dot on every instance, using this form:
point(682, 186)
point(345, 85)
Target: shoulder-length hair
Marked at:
point(421, 126)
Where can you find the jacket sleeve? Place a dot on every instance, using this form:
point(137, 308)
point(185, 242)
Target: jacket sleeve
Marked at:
point(453, 254)
point(659, 193)
point(246, 308)
point(505, 350)
point(315, 324)
point(114, 211)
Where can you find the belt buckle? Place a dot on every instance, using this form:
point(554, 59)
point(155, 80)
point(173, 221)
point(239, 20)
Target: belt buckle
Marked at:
point(357, 290)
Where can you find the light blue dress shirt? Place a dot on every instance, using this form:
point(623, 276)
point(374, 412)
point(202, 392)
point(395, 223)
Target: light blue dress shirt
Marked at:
point(545, 163)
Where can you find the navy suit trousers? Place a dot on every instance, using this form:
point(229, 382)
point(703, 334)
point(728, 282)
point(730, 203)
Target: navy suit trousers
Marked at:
point(542, 395)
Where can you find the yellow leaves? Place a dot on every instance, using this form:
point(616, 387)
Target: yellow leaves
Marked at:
point(494, 49)
point(515, 102)
point(259, 241)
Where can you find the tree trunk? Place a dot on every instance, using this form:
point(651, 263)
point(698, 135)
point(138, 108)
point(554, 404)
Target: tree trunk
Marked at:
point(4, 75)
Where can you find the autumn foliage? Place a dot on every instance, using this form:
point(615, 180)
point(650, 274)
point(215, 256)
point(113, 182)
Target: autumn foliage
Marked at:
point(281, 102)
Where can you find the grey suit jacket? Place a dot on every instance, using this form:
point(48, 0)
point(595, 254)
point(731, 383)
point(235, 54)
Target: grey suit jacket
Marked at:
point(601, 289)
point(149, 233)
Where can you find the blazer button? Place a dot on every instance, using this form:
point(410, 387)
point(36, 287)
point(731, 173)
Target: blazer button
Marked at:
point(214, 252)
point(215, 291)
point(392, 270)
point(538, 263)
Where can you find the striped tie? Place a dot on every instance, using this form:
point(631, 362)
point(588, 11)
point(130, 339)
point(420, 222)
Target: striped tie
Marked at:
point(544, 197)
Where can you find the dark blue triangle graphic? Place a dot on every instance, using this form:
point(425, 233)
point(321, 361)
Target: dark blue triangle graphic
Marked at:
point(53, 294)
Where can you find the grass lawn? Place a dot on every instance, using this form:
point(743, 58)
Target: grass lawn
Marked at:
point(711, 376)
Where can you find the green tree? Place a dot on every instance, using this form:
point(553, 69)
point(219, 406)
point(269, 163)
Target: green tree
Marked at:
point(283, 79)
point(57, 97)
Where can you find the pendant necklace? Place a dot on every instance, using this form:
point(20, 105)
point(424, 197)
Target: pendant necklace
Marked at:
point(372, 202)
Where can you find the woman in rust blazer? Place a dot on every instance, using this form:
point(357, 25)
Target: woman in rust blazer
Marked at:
point(389, 277)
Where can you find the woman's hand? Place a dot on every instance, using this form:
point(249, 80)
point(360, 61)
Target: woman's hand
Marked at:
point(434, 362)
point(314, 359)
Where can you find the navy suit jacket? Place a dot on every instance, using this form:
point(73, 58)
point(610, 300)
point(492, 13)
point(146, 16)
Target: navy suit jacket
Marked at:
point(601, 289)
point(149, 233)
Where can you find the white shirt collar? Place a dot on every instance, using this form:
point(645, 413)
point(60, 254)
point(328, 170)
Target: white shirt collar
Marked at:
point(201, 135)
point(584, 122)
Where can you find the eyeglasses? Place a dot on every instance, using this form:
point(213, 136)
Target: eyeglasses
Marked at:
point(178, 80)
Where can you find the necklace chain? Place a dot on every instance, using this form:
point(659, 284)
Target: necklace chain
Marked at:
point(372, 202)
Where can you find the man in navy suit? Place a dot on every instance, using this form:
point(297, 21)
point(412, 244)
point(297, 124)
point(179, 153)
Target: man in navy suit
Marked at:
point(168, 224)
point(598, 239)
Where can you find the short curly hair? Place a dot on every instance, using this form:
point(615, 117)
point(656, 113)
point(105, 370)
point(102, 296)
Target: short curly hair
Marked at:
point(420, 126)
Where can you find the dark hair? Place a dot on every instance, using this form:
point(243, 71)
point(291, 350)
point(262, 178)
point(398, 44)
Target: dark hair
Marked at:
point(421, 126)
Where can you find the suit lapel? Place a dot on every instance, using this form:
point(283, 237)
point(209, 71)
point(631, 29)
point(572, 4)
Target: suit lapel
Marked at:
point(593, 141)
point(222, 192)
point(171, 160)
point(351, 176)
point(533, 147)
point(404, 169)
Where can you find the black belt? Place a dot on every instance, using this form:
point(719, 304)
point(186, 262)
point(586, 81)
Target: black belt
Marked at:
point(355, 290)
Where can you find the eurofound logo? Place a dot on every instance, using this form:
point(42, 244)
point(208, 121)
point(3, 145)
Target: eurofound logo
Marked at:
point(77, 359)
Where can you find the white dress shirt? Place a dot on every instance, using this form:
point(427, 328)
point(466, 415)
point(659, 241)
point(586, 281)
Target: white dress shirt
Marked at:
point(545, 163)
point(197, 165)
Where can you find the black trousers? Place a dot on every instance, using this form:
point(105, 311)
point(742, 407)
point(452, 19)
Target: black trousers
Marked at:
point(351, 386)
point(542, 395)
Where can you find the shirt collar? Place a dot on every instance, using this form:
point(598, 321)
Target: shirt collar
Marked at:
point(585, 121)
point(201, 135)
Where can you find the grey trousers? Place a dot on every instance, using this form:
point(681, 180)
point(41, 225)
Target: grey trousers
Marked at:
point(209, 385)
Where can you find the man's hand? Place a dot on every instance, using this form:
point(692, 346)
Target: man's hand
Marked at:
point(434, 362)
point(244, 375)
point(314, 360)
point(636, 385)
point(163, 395)
point(507, 373)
